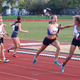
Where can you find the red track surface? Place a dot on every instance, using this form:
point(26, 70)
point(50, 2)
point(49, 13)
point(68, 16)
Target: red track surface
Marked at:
point(22, 68)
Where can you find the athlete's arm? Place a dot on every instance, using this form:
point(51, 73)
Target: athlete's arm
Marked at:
point(5, 31)
point(11, 24)
point(67, 26)
point(19, 25)
point(50, 29)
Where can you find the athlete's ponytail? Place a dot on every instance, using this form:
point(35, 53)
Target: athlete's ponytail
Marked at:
point(51, 20)
point(18, 19)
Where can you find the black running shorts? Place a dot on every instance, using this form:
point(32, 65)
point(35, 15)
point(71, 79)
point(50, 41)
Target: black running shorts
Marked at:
point(1, 40)
point(48, 41)
point(75, 42)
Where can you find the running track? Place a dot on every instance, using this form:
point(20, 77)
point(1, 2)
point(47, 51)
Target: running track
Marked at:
point(22, 68)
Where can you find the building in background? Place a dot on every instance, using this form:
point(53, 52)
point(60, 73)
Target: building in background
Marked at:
point(7, 9)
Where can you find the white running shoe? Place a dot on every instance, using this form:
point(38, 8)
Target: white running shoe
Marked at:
point(5, 60)
point(62, 68)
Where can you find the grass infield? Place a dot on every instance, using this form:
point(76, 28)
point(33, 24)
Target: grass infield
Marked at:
point(27, 17)
point(38, 30)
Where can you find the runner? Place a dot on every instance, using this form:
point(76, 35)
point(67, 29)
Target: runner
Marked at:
point(75, 41)
point(16, 26)
point(50, 39)
point(1, 39)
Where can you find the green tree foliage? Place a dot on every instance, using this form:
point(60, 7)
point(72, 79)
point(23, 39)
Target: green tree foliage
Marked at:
point(11, 2)
point(1, 2)
point(37, 6)
point(60, 4)
point(22, 4)
point(76, 3)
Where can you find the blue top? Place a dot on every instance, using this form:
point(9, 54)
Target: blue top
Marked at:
point(48, 32)
point(15, 28)
point(54, 29)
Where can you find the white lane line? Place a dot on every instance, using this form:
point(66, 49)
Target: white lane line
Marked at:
point(45, 62)
point(30, 43)
point(17, 75)
point(46, 55)
point(73, 75)
point(48, 71)
point(27, 44)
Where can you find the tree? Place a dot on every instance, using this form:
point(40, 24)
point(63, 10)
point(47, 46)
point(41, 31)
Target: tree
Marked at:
point(22, 4)
point(1, 2)
point(76, 3)
point(59, 4)
point(11, 2)
point(37, 6)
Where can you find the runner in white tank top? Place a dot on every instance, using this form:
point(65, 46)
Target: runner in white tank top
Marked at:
point(75, 41)
point(76, 33)
point(1, 39)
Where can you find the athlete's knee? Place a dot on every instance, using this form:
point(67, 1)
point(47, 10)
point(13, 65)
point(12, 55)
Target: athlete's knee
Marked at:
point(58, 48)
point(69, 56)
point(17, 46)
point(2, 46)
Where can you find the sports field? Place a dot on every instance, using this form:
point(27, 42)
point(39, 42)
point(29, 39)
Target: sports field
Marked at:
point(28, 17)
point(22, 68)
point(38, 30)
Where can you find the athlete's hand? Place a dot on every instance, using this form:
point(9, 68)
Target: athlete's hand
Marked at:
point(60, 27)
point(26, 31)
point(57, 35)
point(7, 34)
point(4, 25)
point(10, 24)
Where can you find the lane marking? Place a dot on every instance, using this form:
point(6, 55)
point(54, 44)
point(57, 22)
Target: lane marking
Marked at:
point(30, 44)
point(49, 72)
point(72, 66)
point(74, 75)
point(46, 55)
point(17, 75)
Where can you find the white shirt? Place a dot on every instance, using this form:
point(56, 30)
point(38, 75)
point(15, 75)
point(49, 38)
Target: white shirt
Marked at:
point(1, 31)
point(76, 32)
point(55, 29)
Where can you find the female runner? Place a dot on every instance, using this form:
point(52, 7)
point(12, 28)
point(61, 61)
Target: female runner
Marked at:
point(16, 26)
point(1, 39)
point(75, 41)
point(50, 39)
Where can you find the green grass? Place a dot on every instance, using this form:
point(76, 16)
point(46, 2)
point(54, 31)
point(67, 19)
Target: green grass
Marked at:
point(38, 30)
point(65, 16)
point(36, 17)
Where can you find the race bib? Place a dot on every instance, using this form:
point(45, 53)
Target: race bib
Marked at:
point(55, 29)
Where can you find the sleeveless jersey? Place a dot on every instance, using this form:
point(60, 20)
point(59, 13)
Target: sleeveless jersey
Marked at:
point(15, 28)
point(55, 29)
point(76, 33)
point(1, 31)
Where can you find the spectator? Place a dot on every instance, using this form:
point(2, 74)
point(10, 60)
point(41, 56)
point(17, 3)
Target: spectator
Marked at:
point(60, 14)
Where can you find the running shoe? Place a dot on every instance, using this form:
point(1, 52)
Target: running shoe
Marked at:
point(14, 55)
point(34, 61)
point(5, 60)
point(7, 51)
point(62, 68)
point(56, 62)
